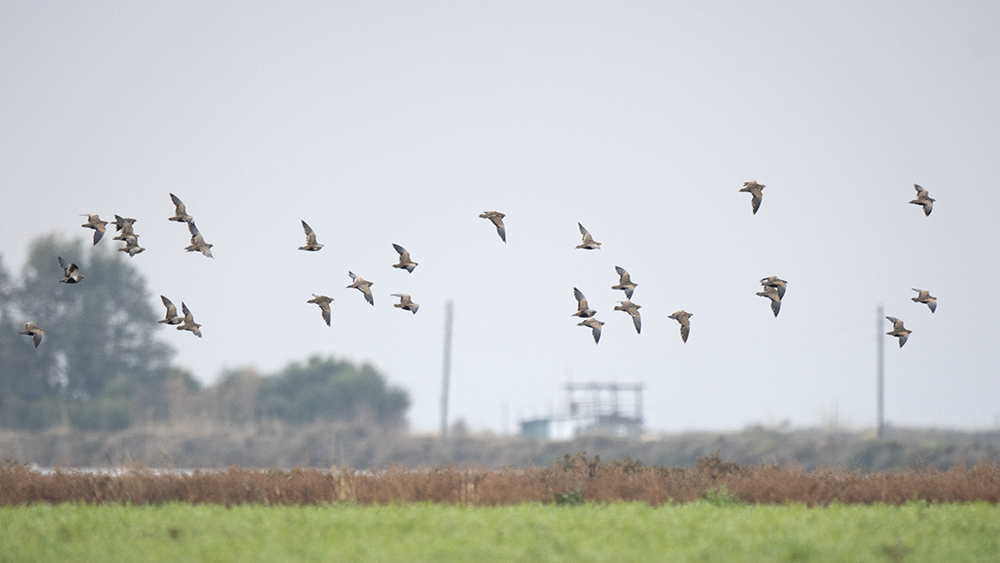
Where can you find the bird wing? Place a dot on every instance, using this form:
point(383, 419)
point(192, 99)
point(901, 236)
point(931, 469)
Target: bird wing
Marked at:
point(306, 228)
point(193, 229)
point(637, 321)
point(579, 295)
point(902, 339)
point(685, 330)
point(755, 202)
point(63, 264)
point(186, 311)
point(781, 290)
point(775, 306)
point(583, 231)
point(623, 273)
point(399, 249)
point(368, 296)
point(325, 310)
point(501, 230)
point(597, 332)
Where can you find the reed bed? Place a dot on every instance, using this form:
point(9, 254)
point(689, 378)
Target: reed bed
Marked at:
point(572, 480)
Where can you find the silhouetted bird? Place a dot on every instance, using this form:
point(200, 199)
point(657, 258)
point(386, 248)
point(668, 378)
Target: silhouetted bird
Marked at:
point(124, 226)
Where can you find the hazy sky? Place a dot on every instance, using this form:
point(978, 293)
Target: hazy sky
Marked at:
point(383, 122)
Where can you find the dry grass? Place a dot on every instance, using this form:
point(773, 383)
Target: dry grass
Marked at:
point(570, 481)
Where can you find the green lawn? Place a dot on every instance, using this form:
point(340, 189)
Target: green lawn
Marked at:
point(436, 533)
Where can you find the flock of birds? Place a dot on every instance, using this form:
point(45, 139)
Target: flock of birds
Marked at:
point(773, 287)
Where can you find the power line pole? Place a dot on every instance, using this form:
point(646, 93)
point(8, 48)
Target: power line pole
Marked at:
point(446, 376)
point(880, 382)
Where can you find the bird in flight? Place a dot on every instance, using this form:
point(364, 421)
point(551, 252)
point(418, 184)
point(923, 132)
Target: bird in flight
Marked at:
point(754, 189)
point(924, 200)
point(34, 331)
point(70, 271)
point(582, 310)
point(588, 241)
point(311, 244)
point(625, 283)
point(198, 243)
point(595, 326)
point(404, 259)
point(405, 303)
point(774, 295)
point(776, 283)
point(898, 330)
point(94, 222)
point(180, 213)
point(924, 296)
point(324, 305)
point(633, 310)
point(171, 317)
point(188, 322)
point(683, 317)
point(362, 285)
point(497, 219)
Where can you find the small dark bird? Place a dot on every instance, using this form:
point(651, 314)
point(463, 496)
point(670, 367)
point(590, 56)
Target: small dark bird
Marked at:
point(70, 271)
point(754, 189)
point(898, 330)
point(311, 244)
point(404, 259)
point(362, 285)
point(180, 214)
point(324, 304)
point(94, 222)
point(405, 303)
point(924, 200)
point(34, 331)
point(497, 219)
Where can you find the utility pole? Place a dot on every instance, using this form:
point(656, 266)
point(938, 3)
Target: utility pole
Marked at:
point(446, 376)
point(880, 381)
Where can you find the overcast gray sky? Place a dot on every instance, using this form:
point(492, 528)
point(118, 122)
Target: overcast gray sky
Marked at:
point(383, 122)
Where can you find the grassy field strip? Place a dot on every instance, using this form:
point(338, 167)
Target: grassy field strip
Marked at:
point(434, 533)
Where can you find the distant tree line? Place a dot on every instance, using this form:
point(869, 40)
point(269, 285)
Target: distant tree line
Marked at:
point(101, 365)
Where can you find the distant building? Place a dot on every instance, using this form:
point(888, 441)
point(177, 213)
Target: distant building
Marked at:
point(592, 409)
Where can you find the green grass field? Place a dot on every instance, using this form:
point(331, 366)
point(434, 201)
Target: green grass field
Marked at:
point(702, 531)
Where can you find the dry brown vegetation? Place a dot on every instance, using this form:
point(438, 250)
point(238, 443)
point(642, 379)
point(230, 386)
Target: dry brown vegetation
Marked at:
point(570, 481)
